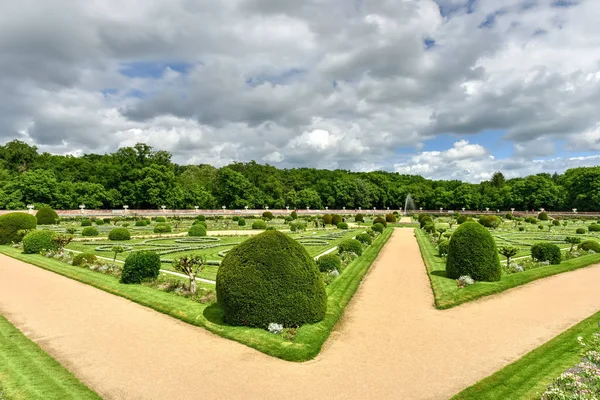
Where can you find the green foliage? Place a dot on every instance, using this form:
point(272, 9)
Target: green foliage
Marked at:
point(141, 222)
point(119, 234)
point(99, 222)
point(241, 222)
point(546, 252)
point(327, 219)
point(543, 216)
point(297, 226)
point(270, 278)
point(443, 247)
point(271, 228)
point(288, 219)
point(84, 259)
point(429, 227)
point(426, 219)
point(364, 238)
point(200, 218)
point(521, 228)
point(259, 224)
point(531, 220)
point(378, 228)
point(588, 245)
point(390, 218)
point(197, 230)
point(38, 240)
point(508, 252)
point(203, 223)
point(489, 221)
point(329, 262)
point(572, 240)
point(86, 222)
point(12, 225)
point(594, 228)
point(160, 219)
point(294, 215)
point(46, 216)
point(350, 246)
point(580, 231)
point(380, 220)
point(267, 215)
point(90, 231)
point(70, 230)
point(555, 222)
point(420, 217)
point(359, 218)
point(164, 228)
point(140, 266)
point(336, 219)
point(461, 219)
point(472, 251)
point(342, 225)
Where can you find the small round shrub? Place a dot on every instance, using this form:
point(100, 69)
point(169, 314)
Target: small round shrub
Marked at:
point(160, 219)
point(119, 234)
point(421, 216)
point(588, 245)
point(521, 228)
point(350, 246)
point(429, 227)
point(83, 259)
point(288, 219)
point(268, 215)
point(342, 225)
point(90, 231)
point(489, 221)
point(294, 215)
point(443, 247)
point(46, 216)
point(200, 218)
point(203, 223)
point(546, 252)
point(259, 224)
point(580, 231)
point(508, 216)
point(163, 228)
point(197, 230)
point(364, 238)
point(336, 219)
point(594, 228)
point(241, 222)
point(329, 262)
point(125, 224)
point(390, 218)
point(380, 220)
point(378, 228)
point(555, 222)
point(326, 218)
point(270, 278)
point(424, 221)
point(235, 218)
point(106, 220)
point(271, 228)
point(359, 218)
point(297, 226)
point(543, 216)
point(86, 222)
point(140, 266)
point(461, 219)
point(99, 222)
point(13, 224)
point(531, 220)
point(472, 251)
point(140, 222)
point(36, 241)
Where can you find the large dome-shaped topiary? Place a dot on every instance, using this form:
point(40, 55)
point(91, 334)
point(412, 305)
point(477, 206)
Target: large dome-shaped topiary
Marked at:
point(270, 278)
point(13, 225)
point(46, 216)
point(472, 251)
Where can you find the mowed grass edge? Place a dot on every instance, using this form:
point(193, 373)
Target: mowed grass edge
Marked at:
point(27, 372)
point(309, 338)
point(529, 376)
point(448, 295)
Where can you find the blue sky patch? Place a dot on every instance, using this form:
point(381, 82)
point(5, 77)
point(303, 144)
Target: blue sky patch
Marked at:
point(147, 69)
point(429, 43)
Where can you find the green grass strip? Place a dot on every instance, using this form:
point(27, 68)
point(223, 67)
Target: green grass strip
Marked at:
point(529, 376)
point(309, 338)
point(28, 373)
point(448, 295)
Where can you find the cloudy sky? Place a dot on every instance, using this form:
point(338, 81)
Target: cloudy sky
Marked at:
point(445, 89)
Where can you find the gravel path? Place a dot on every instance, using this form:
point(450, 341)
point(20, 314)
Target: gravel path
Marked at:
point(391, 344)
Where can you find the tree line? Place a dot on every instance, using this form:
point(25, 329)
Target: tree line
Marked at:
point(143, 178)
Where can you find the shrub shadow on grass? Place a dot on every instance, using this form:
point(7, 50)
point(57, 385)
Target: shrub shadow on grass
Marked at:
point(441, 273)
point(214, 314)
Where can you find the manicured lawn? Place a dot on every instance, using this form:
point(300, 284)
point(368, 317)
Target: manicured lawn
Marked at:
point(529, 376)
point(447, 294)
point(309, 338)
point(27, 372)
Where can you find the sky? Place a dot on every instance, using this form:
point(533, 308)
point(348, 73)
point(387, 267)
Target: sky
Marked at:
point(446, 89)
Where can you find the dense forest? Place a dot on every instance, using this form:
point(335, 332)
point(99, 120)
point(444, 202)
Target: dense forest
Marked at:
point(146, 179)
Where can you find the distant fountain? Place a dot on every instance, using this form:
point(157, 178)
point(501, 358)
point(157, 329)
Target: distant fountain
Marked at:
point(408, 204)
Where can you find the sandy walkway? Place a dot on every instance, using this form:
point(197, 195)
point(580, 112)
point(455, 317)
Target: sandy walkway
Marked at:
point(392, 343)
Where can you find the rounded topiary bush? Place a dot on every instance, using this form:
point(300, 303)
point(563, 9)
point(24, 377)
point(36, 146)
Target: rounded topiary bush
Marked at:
point(472, 251)
point(90, 231)
point(86, 222)
point(160, 219)
point(336, 219)
point(443, 247)
point(380, 220)
point(555, 222)
point(197, 230)
point(259, 224)
point(200, 218)
point(140, 222)
point(350, 246)
point(12, 223)
point(83, 259)
point(594, 228)
point(588, 245)
point(140, 266)
point(329, 262)
point(46, 216)
point(461, 219)
point(294, 215)
point(163, 228)
point(378, 227)
point(270, 278)
point(543, 216)
point(489, 221)
point(36, 241)
point(359, 218)
point(429, 227)
point(326, 218)
point(268, 215)
point(580, 231)
point(241, 222)
point(99, 222)
point(424, 221)
point(203, 223)
point(546, 252)
point(342, 225)
point(119, 234)
point(364, 238)
point(390, 218)
point(271, 228)
point(297, 226)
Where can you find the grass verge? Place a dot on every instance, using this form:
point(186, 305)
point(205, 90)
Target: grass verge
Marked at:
point(448, 295)
point(529, 376)
point(27, 372)
point(309, 338)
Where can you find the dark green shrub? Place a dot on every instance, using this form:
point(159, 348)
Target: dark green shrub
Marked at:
point(268, 215)
point(163, 228)
point(83, 259)
point(329, 262)
point(443, 247)
point(472, 251)
point(90, 231)
point(160, 219)
point(140, 222)
point(36, 241)
point(235, 218)
point(271, 228)
point(86, 222)
point(294, 215)
point(377, 228)
point(326, 218)
point(364, 238)
point(342, 225)
point(359, 218)
point(46, 216)
point(546, 252)
point(99, 222)
point(588, 245)
point(594, 228)
point(241, 222)
point(259, 224)
point(580, 231)
point(106, 220)
point(203, 223)
point(429, 227)
point(425, 220)
point(12, 225)
point(489, 221)
point(119, 234)
point(197, 230)
point(71, 230)
point(200, 218)
point(508, 216)
point(421, 216)
point(297, 226)
point(555, 222)
point(543, 216)
point(531, 220)
point(288, 219)
point(461, 219)
point(336, 219)
point(270, 278)
point(380, 220)
point(140, 266)
point(521, 228)
point(350, 246)
point(390, 218)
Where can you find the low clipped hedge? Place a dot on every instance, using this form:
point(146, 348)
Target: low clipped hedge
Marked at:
point(378, 227)
point(546, 252)
point(84, 258)
point(329, 262)
point(36, 241)
point(86, 222)
point(380, 220)
point(90, 231)
point(350, 246)
point(364, 238)
point(342, 225)
point(119, 234)
point(13, 224)
point(359, 218)
point(270, 278)
point(46, 216)
point(259, 224)
point(336, 219)
point(472, 251)
point(197, 230)
point(588, 245)
point(140, 266)
point(163, 228)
